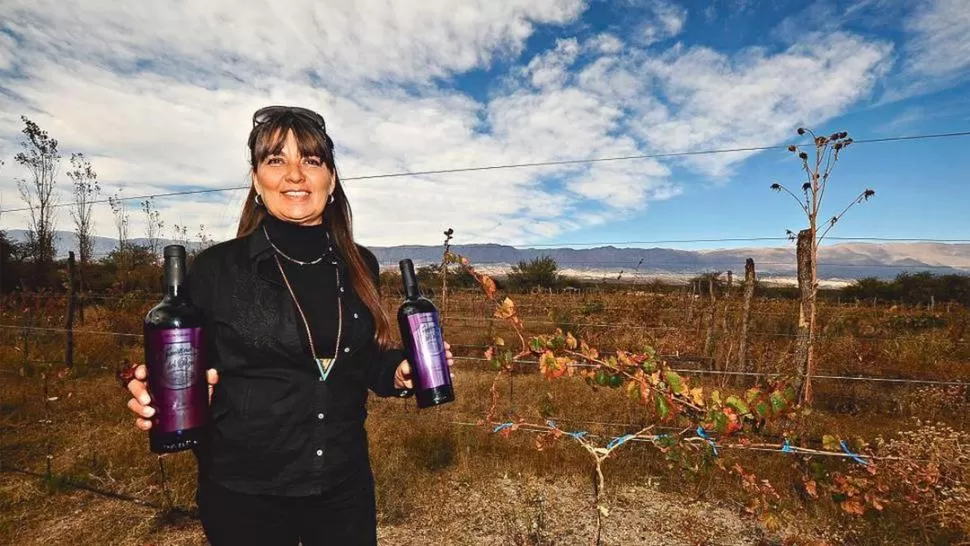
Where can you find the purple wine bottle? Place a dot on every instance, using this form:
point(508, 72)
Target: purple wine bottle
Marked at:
point(175, 360)
point(424, 347)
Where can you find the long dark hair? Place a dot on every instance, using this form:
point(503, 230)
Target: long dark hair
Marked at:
point(267, 139)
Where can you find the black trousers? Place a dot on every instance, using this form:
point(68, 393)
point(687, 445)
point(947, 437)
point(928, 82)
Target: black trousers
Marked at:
point(346, 516)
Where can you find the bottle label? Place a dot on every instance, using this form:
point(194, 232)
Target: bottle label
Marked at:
point(177, 378)
point(429, 351)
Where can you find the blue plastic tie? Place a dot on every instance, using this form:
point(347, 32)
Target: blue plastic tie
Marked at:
point(578, 435)
point(619, 440)
point(853, 456)
point(702, 434)
point(502, 426)
point(787, 447)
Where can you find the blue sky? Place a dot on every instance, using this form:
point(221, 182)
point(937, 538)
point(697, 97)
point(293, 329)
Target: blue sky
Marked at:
point(160, 100)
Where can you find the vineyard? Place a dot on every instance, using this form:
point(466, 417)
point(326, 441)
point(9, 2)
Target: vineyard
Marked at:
point(618, 416)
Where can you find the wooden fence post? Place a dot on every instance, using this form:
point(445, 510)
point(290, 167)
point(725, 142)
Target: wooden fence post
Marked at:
point(806, 314)
point(71, 302)
point(749, 279)
point(709, 341)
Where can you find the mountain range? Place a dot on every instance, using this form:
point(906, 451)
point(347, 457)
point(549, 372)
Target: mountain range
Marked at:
point(838, 263)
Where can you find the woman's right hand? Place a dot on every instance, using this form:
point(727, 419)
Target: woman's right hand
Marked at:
point(140, 401)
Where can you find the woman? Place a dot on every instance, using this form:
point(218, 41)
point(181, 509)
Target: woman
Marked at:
point(296, 337)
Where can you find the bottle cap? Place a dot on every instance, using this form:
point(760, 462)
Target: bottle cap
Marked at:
point(174, 251)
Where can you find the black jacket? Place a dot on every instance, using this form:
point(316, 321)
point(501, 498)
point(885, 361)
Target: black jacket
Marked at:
point(276, 428)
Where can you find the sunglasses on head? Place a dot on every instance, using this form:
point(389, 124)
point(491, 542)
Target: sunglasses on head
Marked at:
point(265, 114)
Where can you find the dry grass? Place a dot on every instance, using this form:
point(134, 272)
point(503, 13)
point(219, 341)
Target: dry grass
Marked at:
point(443, 477)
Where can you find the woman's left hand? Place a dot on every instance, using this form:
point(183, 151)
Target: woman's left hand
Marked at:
point(403, 378)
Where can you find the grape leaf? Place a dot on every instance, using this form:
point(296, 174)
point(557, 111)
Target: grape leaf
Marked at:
point(738, 405)
point(752, 394)
point(716, 399)
point(853, 506)
point(571, 342)
point(811, 488)
point(506, 309)
point(697, 395)
point(675, 382)
point(488, 285)
point(778, 402)
point(830, 443)
point(663, 408)
point(548, 365)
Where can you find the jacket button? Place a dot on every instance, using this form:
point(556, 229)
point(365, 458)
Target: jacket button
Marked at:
point(319, 452)
point(355, 315)
point(320, 416)
point(346, 349)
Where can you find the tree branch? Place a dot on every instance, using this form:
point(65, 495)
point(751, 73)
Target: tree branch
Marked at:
point(864, 196)
point(778, 187)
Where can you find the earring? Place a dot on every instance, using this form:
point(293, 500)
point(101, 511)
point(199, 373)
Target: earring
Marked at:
point(258, 200)
point(331, 199)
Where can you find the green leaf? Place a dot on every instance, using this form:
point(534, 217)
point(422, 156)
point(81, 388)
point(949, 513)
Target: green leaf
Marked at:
point(778, 402)
point(830, 443)
point(737, 405)
point(762, 409)
point(716, 399)
point(675, 382)
point(720, 422)
point(601, 378)
point(752, 394)
point(536, 345)
point(790, 394)
point(649, 365)
point(663, 408)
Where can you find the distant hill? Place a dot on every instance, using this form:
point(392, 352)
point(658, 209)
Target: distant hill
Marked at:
point(836, 262)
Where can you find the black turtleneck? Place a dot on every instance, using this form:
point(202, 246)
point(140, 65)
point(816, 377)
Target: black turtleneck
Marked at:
point(315, 285)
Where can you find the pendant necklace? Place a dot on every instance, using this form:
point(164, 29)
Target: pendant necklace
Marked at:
point(324, 364)
point(317, 260)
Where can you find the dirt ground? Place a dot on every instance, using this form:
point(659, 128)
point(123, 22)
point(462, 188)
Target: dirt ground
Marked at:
point(504, 510)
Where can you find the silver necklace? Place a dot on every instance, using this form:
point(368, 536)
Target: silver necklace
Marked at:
point(294, 260)
point(324, 365)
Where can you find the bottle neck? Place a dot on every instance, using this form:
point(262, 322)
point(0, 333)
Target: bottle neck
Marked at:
point(174, 287)
point(410, 280)
point(173, 293)
point(411, 291)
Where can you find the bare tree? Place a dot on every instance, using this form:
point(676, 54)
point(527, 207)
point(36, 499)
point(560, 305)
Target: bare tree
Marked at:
point(153, 226)
point(205, 240)
point(818, 171)
point(120, 211)
point(86, 189)
point(41, 159)
point(180, 234)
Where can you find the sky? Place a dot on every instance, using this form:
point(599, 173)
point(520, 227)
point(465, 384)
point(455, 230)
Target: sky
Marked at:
point(159, 96)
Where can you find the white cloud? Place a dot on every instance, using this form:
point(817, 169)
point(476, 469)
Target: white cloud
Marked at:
point(343, 40)
point(717, 102)
point(7, 47)
point(551, 69)
point(938, 48)
point(666, 21)
point(605, 43)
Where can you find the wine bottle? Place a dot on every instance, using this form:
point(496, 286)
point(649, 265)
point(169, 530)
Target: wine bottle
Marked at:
point(424, 347)
point(176, 369)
